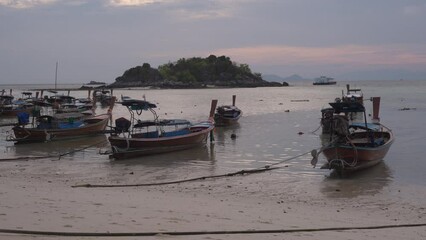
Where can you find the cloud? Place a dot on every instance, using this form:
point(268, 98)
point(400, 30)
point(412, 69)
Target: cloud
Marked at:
point(135, 3)
point(192, 14)
point(25, 3)
point(415, 10)
point(187, 9)
point(349, 55)
point(209, 9)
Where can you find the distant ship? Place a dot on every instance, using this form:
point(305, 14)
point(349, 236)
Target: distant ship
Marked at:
point(93, 84)
point(323, 80)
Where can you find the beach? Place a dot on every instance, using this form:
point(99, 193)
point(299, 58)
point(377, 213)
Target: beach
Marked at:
point(41, 194)
point(38, 200)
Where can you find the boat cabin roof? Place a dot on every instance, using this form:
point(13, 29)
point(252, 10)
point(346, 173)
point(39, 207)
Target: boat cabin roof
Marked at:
point(346, 107)
point(164, 122)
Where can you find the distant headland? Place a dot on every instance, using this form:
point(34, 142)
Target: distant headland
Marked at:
point(193, 72)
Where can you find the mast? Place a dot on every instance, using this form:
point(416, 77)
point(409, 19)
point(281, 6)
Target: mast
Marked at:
point(56, 75)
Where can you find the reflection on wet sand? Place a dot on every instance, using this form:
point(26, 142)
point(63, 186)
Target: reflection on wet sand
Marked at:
point(163, 167)
point(367, 182)
point(57, 147)
point(199, 154)
point(224, 134)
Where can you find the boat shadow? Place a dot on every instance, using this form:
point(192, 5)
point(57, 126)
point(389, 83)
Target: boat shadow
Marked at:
point(163, 167)
point(60, 147)
point(349, 185)
point(203, 154)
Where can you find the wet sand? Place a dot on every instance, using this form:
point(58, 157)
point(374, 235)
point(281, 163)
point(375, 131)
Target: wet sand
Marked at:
point(35, 197)
point(37, 194)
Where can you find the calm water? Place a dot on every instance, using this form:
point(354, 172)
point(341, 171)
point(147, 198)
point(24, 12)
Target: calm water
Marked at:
point(266, 134)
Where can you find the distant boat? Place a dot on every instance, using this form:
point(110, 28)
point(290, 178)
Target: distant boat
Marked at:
point(227, 115)
point(323, 80)
point(93, 84)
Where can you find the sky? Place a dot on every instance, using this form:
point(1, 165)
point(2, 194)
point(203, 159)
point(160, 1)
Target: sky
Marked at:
point(97, 40)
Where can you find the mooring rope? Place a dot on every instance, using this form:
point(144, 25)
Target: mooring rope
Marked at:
point(241, 172)
point(192, 233)
point(26, 158)
point(81, 149)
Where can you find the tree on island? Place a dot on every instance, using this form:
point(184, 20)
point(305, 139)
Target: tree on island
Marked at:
point(193, 73)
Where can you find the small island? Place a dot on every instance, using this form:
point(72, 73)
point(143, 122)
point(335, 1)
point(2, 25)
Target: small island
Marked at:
point(193, 72)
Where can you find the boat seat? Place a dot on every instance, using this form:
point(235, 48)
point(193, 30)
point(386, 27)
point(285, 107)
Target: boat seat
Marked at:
point(176, 133)
point(379, 141)
point(360, 141)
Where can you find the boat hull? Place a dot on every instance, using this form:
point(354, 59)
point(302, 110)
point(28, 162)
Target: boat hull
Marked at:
point(352, 158)
point(327, 83)
point(14, 112)
point(95, 125)
point(123, 148)
point(226, 121)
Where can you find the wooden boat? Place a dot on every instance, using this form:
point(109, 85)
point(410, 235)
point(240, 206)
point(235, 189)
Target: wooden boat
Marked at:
point(10, 107)
point(49, 129)
point(58, 126)
point(227, 114)
point(139, 138)
point(355, 146)
point(103, 96)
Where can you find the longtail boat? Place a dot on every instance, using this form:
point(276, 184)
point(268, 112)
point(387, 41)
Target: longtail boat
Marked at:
point(227, 114)
point(355, 146)
point(136, 138)
point(10, 107)
point(52, 128)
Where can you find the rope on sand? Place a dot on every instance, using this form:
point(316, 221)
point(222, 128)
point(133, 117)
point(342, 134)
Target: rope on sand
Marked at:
point(189, 233)
point(26, 158)
point(241, 172)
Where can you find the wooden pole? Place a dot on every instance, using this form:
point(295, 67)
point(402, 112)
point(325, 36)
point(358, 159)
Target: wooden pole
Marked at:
point(376, 108)
point(213, 108)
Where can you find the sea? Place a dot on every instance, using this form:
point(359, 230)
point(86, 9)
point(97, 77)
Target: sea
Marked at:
point(280, 126)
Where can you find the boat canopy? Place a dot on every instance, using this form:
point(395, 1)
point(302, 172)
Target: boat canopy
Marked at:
point(138, 104)
point(163, 122)
point(346, 107)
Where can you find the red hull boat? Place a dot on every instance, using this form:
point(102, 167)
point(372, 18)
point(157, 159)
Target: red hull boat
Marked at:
point(138, 138)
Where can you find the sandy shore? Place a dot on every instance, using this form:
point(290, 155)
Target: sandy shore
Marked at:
point(35, 197)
